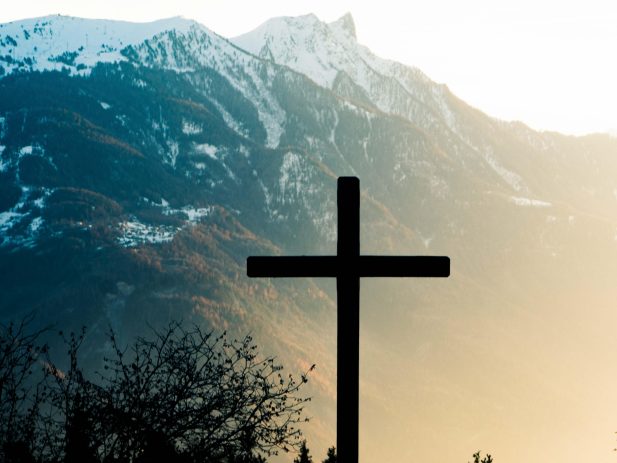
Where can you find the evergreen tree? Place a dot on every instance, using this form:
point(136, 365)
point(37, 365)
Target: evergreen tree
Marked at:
point(331, 455)
point(303, 456)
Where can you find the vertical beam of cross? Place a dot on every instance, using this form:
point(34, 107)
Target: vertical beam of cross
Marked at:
point(347, 267)
point(348, 322)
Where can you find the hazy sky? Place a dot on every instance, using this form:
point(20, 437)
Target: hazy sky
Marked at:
point(549, 63)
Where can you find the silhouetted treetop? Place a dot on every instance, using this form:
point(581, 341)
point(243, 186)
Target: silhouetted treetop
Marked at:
point(331, 455)
point(303, 455)
point(487, 459)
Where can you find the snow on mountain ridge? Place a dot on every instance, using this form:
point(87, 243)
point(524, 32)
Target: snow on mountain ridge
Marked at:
point(331, 56)
point(319, 50)
point(65, 42)
point(56, 43)
point(322, 51)
point(346, 25)
point(327, 53)
point(303, 43)
point(200, 48)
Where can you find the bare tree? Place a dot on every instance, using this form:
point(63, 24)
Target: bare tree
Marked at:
point(182, 394)
point(203, 393)
point(21, 389)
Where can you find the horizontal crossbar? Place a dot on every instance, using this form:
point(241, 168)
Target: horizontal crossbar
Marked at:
point(357, 266)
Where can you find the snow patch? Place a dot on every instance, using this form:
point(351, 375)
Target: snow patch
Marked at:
point(426, 241)
point(25, 209)
point(208, 150)
point(196, 214)
point(35, 225)
point(244, 151)
point(230, 121)
point(190, 128)
point(135, 233)
point(267, 195)
point(25, 151)
point(4, 165)
point(216, 154)
point(332, 136)
point(172, 154)
point(40, 202)
point(8, 220)
point(528, 202)
point(326, 224)
point(291, 178)
point(439, 97)
point(193, 214)
point(511, 178)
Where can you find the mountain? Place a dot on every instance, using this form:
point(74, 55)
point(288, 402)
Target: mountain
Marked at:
point(140, 164)
point(330, 55)
point(54, 43)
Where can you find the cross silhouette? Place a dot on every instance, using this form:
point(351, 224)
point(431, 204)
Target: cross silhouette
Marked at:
point(347, 267)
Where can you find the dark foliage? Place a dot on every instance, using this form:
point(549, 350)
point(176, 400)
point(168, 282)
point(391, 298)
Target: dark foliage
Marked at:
point(303, 456)
point(183, 395)
point(487, 459)
point(331, 455)
point(21, 389)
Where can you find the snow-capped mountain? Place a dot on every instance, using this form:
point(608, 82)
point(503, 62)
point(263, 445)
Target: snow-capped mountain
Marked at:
point(307, 45)
point(322, 51)
point(54, 43)
point(76, 45)
point(330, 55)
point(141, 163)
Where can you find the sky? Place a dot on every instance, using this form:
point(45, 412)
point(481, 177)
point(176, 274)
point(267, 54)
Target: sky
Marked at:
point(548, 63)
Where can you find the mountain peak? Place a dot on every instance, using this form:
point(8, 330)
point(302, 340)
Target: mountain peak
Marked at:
point(345, 24)
point(306, 44)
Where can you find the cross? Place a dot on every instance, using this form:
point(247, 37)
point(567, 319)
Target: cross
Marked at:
point(347, 267)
